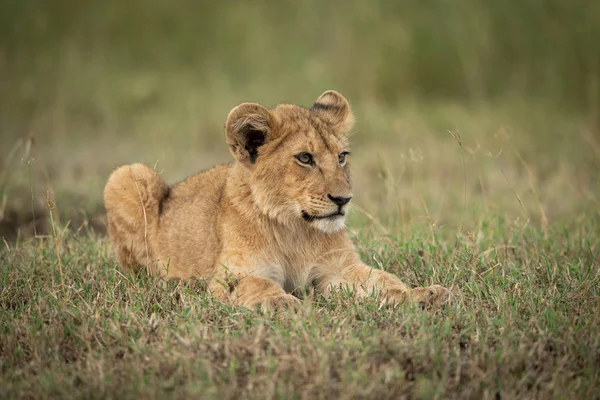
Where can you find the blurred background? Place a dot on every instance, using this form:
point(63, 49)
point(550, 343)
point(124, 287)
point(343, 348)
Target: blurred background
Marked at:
point(468, 111)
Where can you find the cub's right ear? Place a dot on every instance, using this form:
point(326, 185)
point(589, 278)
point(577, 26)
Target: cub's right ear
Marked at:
point(248, 127)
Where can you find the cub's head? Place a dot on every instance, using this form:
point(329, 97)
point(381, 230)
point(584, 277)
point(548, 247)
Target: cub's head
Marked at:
point(297, 159)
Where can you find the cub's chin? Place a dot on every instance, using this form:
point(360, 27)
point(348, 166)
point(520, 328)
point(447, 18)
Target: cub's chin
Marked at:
point(330, 225)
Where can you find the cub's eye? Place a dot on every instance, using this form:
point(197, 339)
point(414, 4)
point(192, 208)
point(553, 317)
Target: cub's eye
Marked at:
point(342, 157)
point(305, 158)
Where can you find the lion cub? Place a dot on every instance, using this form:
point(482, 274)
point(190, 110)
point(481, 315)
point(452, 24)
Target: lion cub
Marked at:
point(263, 226)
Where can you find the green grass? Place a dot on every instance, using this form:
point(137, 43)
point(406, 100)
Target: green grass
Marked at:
point(524, 325)
point(511, 223)
point(476, 165)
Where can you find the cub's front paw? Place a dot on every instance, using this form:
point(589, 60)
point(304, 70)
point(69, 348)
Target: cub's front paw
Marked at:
point(277, 303)
point(430, 297)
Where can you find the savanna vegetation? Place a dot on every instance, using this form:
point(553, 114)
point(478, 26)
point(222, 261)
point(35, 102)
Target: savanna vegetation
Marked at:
point(476, 161)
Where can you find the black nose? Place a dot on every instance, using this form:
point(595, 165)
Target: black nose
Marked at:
point(340, 201)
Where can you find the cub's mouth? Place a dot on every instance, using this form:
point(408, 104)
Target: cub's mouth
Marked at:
point(309, 218)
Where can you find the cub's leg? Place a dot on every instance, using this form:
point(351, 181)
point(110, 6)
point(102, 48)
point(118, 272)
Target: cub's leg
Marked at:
point(133, 197)
point(251, 291)
point(369, 279)
point(364, 280)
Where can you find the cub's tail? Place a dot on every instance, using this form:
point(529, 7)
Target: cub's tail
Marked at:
point(133, 199)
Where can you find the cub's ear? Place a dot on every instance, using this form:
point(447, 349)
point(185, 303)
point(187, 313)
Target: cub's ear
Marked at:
point(248, 127)
point(333, 108)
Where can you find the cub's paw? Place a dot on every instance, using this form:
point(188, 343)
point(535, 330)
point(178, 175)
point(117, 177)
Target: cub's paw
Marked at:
point(281, 302)
point(430, 297)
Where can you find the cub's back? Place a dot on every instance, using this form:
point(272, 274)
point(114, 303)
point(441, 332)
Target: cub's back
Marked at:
point(188, 234)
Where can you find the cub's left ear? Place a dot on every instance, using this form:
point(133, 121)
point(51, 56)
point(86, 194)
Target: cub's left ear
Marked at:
point(333, 109)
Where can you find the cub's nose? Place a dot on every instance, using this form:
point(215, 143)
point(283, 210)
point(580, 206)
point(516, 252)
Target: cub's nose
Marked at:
point(340, 201)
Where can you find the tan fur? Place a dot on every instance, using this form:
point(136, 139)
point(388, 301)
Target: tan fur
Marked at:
point(257, 229)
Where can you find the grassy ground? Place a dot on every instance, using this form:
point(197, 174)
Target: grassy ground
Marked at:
point(476, 163)
point(525, 325)
point(518, 242)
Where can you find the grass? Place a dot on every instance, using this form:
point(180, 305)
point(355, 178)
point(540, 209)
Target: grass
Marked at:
point(525, 325)
point(476, 165)
point(514, 230)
